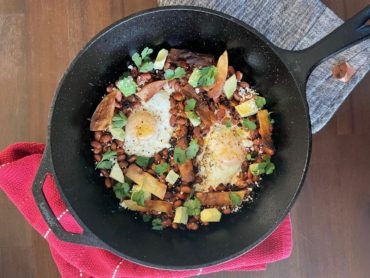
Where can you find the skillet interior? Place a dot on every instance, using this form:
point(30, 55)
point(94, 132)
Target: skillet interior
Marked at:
point(102, 61)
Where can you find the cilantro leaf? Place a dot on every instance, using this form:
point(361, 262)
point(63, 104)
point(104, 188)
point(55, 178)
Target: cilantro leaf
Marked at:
point(193, 206)
point(228, 124)
point(157, 224)
point(260, 101)
point(109, 154)
point(127, 86)
point(266, 167)
point(138, 197)
point(143, 61)
point(249, 124)
point(172, 74)
point(270, 168)
point(193, 149)
point(119, 120)
point(104, 165)
point(235, 199)
point(169, 74)
point(105, 162)
point(160, 169)
point(179, 155)
point(146, 67)
point(121, 190)
point(146, 52)
point(208, 76)
point(137, 59)
point(143, 161)
point(147, 217)
point(190, 105)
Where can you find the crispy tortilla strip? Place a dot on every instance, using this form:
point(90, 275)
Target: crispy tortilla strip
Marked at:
point(265, 127)
point(189, 92)
point(186, 171)
point(222, 68)
point(177, 56)
point(103, 115)
point(147, 181)
point(149, 90)
point(156, 205)
point(219, 198)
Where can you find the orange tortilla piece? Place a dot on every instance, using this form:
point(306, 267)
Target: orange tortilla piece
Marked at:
point(103, 114)
point(147, 181)
point(156, 205)
point(265, 126)
point(149, 90)
point(219, 198)
point(222, 68)
point(186, 171)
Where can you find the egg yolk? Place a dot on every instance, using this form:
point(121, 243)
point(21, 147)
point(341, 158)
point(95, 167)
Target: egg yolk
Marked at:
point(228, 156)
point(141, 125)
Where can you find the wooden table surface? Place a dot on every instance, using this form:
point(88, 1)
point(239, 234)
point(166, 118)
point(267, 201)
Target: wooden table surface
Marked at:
point(331, 219)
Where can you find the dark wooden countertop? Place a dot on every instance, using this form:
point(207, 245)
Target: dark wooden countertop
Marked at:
point(331, 221)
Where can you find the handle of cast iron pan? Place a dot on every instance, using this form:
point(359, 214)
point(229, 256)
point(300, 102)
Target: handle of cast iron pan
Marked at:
point(45, 168)
point(303, 62)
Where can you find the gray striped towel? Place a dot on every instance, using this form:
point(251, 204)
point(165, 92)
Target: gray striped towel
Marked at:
point(294, 25)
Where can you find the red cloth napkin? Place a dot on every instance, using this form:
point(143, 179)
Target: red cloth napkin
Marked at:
point(18, 167)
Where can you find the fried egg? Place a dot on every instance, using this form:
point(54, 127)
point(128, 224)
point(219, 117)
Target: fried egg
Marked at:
point(222, 155)
point(148, 128)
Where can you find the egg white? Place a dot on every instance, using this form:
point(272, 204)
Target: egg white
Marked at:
point(159, 108)
point(222, 155)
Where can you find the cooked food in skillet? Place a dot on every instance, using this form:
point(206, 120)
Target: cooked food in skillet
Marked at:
point(182, 139)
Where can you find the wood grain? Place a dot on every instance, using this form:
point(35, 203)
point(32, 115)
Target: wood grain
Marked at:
point(331, 217)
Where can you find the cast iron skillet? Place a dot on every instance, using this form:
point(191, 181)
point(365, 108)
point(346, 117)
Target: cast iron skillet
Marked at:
point(278, 74)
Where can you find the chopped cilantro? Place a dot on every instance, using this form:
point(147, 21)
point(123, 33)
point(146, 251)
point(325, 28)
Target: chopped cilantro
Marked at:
point(105, 162)
point(127, 86)
point(193, 149)
point(157, 224)
point(147, 217)
point(138, 197)
point(179, 155)
point(160, 169)
point(104, 165)
point(146, 53)
point(172, 74)
point(193, 206)
point(143, 61)
point(235, 199)
point(190, 104)
point(208, 76)
point(249, 124)
point(228, 124)
point(260, 101)
point(119, 120)
point(146, 67)
point(266, 167)
point(137, 59)
point(121, 190)
point(143, 161)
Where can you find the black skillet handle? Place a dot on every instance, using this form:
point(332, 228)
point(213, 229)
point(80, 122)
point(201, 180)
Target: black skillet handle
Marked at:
point(86, 238)
point(354, 30)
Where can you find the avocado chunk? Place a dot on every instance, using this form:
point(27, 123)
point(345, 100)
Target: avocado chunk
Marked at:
point(230, 86)
point(210, 215)
point(117, 174)
point(181, 215)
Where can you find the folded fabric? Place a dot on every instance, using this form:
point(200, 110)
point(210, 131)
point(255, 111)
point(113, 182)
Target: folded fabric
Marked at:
point(295, 25)
point(18, 167)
